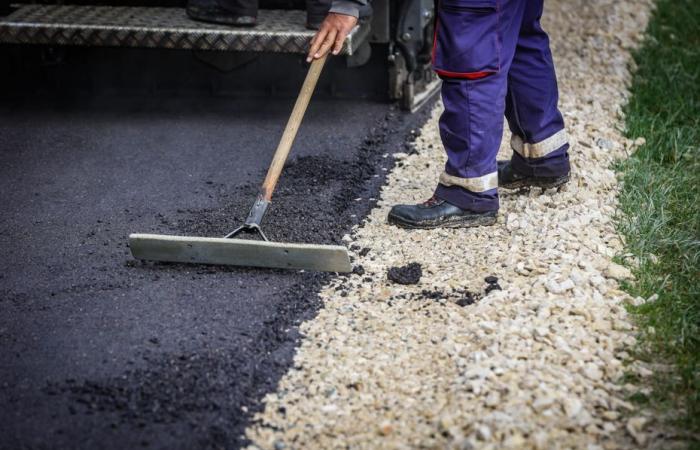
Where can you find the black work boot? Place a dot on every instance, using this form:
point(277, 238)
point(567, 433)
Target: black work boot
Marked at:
point(508, 178)
point(239, 13)
point(436, 213)
point(316, 12)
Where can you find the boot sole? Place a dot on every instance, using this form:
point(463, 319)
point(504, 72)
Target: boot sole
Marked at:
point(454, 222)
point(544, 184)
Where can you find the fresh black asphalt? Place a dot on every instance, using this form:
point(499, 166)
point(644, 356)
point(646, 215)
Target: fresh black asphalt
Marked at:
point(101, 351)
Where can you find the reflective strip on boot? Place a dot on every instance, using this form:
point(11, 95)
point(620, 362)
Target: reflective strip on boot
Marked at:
point(539, 149)
point(476, 184)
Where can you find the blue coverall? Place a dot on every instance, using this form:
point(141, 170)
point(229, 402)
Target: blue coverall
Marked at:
point(494, 59)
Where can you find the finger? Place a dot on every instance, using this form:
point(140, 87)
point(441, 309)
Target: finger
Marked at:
point(316, 43)
point(327, 44)
point(313, 40)
point(339, 41)
point(319, 33)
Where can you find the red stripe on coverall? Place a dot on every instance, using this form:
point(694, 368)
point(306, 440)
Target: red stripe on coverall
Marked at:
point(446, 73)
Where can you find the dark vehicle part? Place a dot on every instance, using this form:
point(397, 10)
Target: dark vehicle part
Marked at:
point(126, 26)
point(412, 80)
point(413, 19)
point(401, 30)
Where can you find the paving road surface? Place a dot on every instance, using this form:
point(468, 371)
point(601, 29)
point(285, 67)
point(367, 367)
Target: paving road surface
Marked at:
point(100, 351)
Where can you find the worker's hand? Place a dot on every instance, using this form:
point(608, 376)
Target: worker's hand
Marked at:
point(331, 35)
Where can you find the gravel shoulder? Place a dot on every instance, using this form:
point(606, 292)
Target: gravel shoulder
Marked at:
point(536, 364)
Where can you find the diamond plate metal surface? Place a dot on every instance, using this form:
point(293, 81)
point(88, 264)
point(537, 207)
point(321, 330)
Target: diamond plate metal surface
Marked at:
point(109, 26)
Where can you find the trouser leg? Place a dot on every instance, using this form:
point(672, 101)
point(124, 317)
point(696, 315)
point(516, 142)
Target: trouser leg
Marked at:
point(316, 11)
point(471, 128)
point(475, 43)
point(540, 145)
point(240, 7)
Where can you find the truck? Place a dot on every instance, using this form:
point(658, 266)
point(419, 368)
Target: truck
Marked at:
point(387, 55)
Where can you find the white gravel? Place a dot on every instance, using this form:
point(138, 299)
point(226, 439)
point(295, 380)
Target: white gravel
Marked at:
point(535, 365)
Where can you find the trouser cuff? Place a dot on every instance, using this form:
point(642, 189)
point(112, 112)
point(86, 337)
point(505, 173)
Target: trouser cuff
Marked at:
point(240, 7)
point(546, 158)
point(550, 166)
point(471, 201)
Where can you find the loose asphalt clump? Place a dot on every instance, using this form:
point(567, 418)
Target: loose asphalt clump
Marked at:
point(492, 284)
point(358, 270)
point(460, 297)
point(468, 298)
point(408, 274)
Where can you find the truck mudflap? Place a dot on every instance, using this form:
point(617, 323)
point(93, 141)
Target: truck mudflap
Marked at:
point(107, 26)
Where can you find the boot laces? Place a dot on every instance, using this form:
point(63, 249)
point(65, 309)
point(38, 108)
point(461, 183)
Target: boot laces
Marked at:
point(432, 201)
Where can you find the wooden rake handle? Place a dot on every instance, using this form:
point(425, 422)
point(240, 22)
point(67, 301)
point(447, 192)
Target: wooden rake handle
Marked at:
point(290, 131)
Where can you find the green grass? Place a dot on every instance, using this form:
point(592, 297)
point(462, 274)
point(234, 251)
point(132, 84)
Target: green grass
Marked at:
point(660, 200)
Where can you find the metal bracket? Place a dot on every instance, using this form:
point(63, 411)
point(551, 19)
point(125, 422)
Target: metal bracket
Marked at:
point(414, 16)
point(361, 56)
point(255, 217)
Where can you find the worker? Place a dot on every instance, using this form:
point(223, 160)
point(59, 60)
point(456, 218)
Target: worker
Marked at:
point(494, 59)
point(244, 13)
